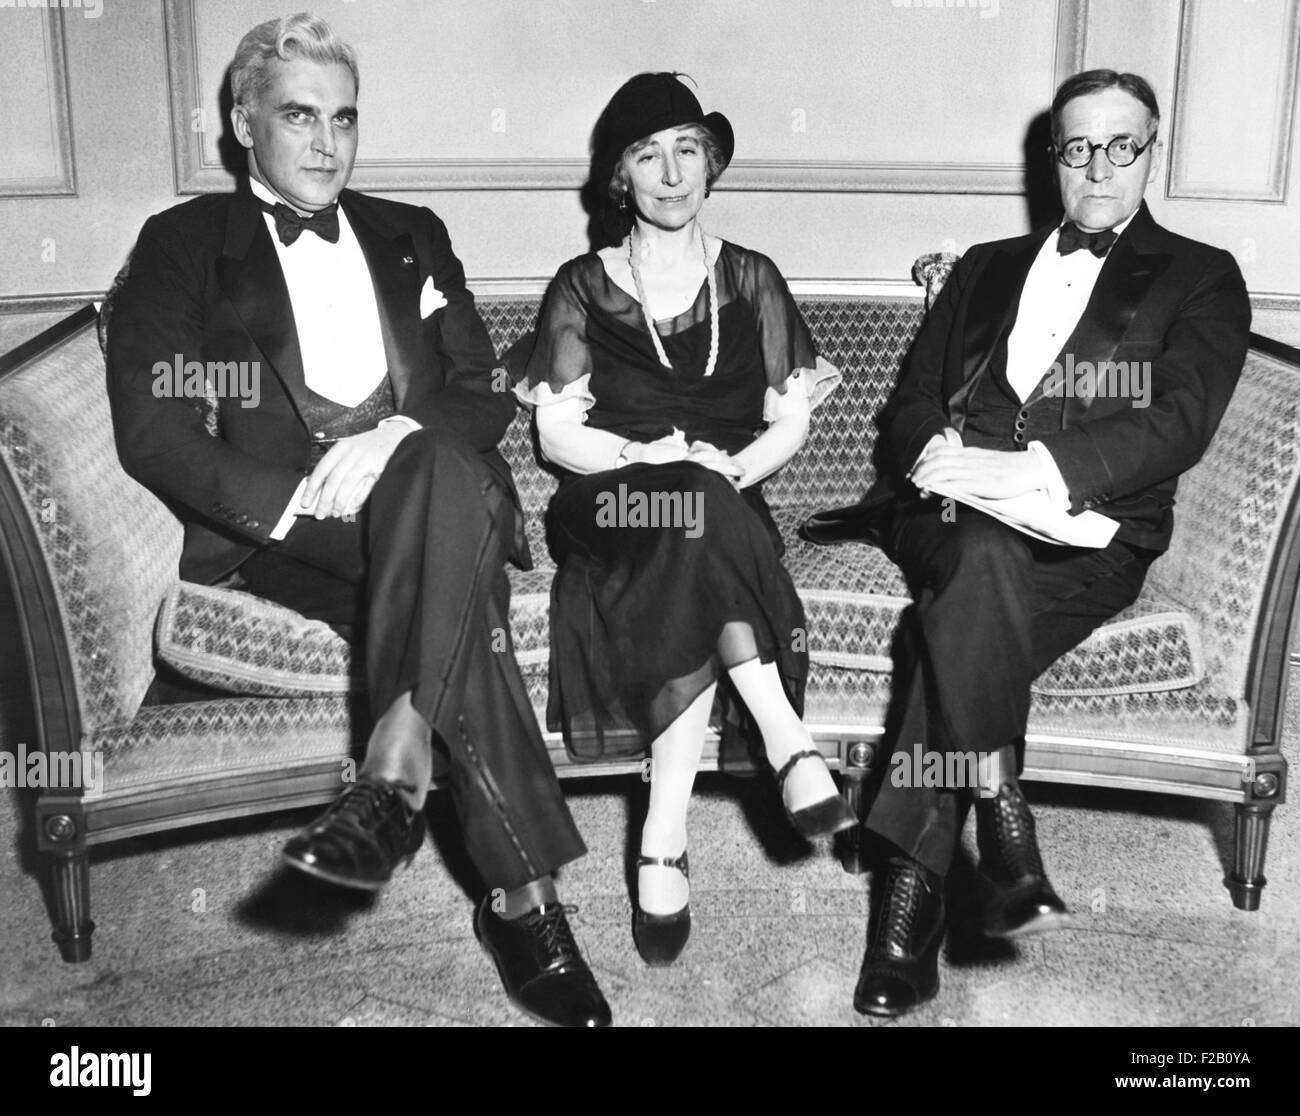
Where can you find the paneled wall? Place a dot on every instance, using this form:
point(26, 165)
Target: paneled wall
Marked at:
point(868, 131)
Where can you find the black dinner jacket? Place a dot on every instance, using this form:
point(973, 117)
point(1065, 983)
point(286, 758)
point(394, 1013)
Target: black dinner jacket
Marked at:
point(205, 282)
point(1160, 297)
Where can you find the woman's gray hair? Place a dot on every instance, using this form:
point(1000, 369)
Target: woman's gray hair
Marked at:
point(715, 164)
point(297, 36)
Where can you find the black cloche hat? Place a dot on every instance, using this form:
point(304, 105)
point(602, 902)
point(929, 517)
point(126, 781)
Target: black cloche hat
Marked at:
point(649, 103)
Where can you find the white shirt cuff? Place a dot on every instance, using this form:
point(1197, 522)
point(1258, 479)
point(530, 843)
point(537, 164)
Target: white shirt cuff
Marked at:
point(291, 513)
point(1057, 491)
point(402, 418)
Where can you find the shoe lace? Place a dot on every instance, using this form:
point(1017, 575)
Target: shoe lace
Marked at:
point(904, 894)
point(369, 805)
point(367, 801)
point(549, 927)
point(1015, 838)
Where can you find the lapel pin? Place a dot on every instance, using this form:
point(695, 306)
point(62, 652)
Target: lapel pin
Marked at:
point(408, 260)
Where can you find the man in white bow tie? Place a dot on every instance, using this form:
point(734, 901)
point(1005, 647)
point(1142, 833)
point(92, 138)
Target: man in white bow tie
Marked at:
point(364, 489)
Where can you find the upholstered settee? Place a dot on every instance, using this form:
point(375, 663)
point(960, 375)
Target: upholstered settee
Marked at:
point(1182, 693)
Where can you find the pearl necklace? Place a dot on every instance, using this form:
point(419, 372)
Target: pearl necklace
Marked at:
point(712, 280)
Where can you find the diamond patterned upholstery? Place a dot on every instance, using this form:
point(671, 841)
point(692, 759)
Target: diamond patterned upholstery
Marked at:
point(235, 641)
point(1174, 664)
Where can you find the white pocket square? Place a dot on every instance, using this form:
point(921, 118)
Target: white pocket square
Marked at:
point(430, 298)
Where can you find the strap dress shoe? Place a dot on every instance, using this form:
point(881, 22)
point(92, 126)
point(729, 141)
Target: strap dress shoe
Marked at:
point(1023, 901)
point(361, 838)
point(901, 968)
point(823, 818)
point(660, 938)
point(541, 966)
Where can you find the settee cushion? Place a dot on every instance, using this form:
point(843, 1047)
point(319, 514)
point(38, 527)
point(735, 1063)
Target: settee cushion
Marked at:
point(238, 642)
point(1136, 653)
point(853, 597)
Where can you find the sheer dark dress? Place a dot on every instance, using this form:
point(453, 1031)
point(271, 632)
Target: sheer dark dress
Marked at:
point(667, 575)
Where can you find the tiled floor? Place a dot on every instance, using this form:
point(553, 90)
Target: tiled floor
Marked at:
point(202, 927)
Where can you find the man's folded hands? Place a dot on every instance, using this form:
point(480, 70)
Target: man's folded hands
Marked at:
point(989, 474)
point(343, 479)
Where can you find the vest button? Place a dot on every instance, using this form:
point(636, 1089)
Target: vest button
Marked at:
point(1020, 424)
point(1019, 436)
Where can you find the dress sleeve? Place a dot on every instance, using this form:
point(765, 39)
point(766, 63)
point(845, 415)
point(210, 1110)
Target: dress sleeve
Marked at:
point(560, 365)
point(790, 358)
point(812, 385)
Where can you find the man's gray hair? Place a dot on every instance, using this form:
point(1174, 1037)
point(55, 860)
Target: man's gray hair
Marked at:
point(297, 36)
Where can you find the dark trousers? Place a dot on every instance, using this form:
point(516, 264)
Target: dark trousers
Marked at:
point(422, 573)
point(992, 609)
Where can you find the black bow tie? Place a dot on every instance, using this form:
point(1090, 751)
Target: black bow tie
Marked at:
point(290, 224)
point(1073, 238)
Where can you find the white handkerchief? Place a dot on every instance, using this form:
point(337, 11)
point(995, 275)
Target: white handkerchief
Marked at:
point(430, 298)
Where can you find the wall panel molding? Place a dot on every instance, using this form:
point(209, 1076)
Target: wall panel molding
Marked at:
point(197, 171)
point(1269, 121)
point(1071, 39)
point(62, 179)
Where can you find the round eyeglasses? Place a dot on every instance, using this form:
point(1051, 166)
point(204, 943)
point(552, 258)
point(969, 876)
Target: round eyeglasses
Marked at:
point(1122, 151)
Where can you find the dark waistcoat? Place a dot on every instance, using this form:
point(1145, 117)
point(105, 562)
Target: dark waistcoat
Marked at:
point(328, 421)
point(995, 417)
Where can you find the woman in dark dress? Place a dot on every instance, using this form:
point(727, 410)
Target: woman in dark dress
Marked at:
point(672, 372)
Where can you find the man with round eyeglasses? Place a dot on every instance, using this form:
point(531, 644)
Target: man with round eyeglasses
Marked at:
point(978, 414)
point(1121, 151)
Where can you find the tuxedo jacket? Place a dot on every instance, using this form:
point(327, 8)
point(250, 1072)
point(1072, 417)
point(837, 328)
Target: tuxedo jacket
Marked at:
point(205, 282)
point(1160, 298)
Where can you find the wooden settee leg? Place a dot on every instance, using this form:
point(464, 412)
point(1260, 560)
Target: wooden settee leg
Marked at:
point(72, 924)
point(855, 773)
point(1249, 846)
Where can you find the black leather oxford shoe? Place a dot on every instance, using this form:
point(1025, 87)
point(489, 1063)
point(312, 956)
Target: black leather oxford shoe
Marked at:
point(361, 838)
point(864, 522)
point(541, 966)
point(1022, 900)
point(901, 968)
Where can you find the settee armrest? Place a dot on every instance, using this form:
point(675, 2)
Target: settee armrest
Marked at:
point(1235, 553)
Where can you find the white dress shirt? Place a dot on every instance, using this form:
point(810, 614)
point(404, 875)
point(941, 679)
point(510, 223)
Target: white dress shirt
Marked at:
point(337, 320)
point(334, 310)
point(1055, 294)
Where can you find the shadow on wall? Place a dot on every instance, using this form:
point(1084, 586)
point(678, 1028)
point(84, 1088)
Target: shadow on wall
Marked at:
point(231, 152)
point(1042, 200)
